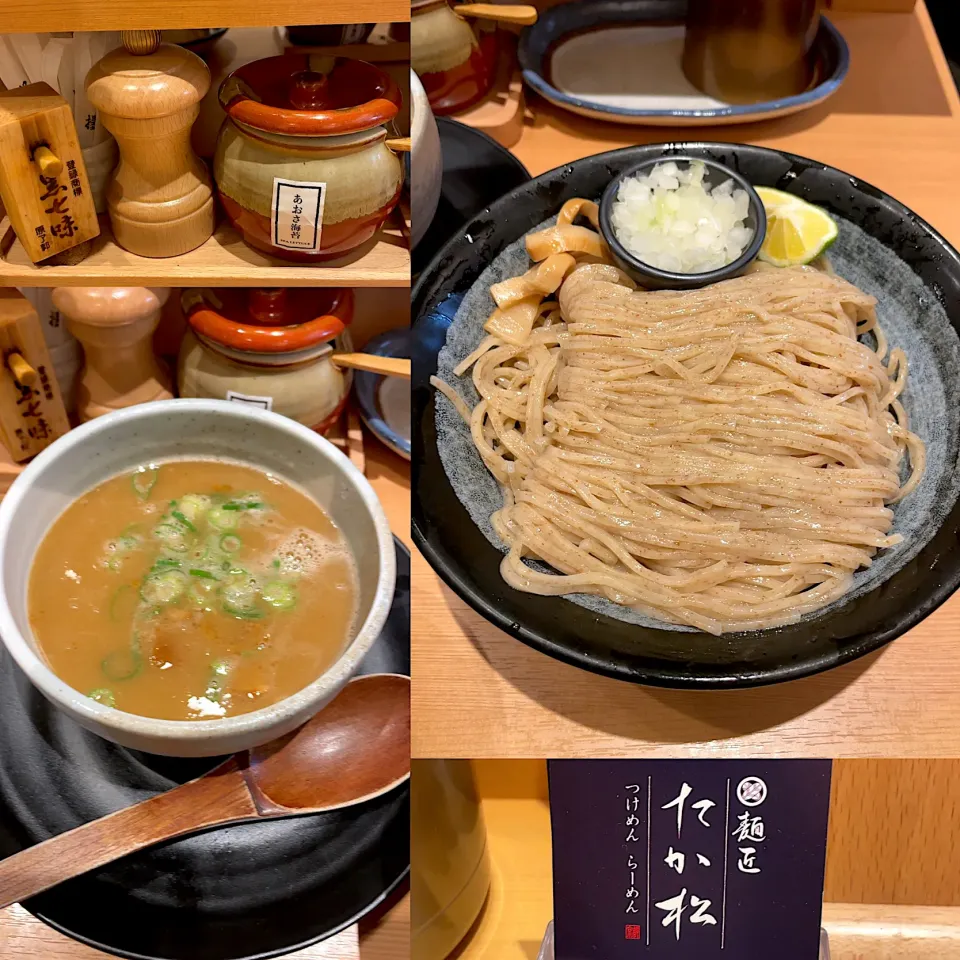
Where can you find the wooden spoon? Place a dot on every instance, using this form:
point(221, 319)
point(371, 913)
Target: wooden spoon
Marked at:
point(517, 13)
point(355, 749)
point(388, 366)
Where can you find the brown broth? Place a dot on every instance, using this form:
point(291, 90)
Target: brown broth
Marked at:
point(159, 605)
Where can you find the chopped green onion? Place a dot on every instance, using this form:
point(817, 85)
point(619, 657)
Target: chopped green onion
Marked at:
point(280, 595)
point(178, 515)
point(163, 587)
point(167, 563)
point(193, 506)
point(103, 695)
point(275, 564)
point(171, 535)
point(240, 600)
point(144, 480)
point(230, 543)
point(123, 543)
point(245, 505)
point(205, 574)
point(220, 520)
point(122, 664)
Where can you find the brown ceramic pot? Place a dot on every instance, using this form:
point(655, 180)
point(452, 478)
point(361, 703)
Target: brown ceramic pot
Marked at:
point(269, 347)
point(456, 62)
point(302, 167)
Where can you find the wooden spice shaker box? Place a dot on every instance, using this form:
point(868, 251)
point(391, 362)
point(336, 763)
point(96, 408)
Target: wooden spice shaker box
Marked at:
point(32, 414)
point(43, 181)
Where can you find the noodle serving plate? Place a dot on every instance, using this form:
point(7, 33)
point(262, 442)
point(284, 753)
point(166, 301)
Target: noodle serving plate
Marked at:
point(253, 890)
point(883, 248)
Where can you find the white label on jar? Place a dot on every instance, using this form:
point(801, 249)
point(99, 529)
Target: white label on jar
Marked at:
point(297, 214)
point(354, 33)
point(264, 403)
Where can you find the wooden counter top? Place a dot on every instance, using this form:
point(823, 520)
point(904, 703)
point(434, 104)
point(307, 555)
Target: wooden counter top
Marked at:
point(478, 692)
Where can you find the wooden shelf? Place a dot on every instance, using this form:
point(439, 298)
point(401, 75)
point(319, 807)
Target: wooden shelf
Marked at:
point(223, 261)
point(28, 16)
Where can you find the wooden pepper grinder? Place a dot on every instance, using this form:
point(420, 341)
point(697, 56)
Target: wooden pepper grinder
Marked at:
point(148, 93)
point(115, 326)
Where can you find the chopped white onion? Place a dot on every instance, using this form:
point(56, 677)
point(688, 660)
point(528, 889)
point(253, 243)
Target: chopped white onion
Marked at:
point(670, 219)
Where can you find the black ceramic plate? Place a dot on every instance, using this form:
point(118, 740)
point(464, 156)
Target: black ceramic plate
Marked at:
point(250, 890)
point(476, 171)
point(469, 563)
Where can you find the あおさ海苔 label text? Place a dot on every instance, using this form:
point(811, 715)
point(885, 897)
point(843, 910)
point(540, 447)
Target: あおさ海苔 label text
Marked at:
point(691, 860)
point(297, 214)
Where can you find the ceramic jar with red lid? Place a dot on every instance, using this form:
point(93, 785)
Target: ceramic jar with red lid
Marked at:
point(302, 167)
point(456, 62)
point(271, 348)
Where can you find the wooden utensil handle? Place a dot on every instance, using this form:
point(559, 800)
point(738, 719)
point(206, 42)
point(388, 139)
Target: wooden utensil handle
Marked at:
point(518, 13)
point(207, 802)
point(400, 144)
point(387, 366)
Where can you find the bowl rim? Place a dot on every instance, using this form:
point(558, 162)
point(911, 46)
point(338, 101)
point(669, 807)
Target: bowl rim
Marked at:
point(535, 69)
point(644, 272)
point(420, 110)
point(428, 296)
point(67, 698)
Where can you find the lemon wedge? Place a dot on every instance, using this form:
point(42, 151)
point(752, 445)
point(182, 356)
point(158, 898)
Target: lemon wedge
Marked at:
point(797, 231)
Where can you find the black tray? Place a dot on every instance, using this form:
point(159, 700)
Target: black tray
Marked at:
point(247, 891)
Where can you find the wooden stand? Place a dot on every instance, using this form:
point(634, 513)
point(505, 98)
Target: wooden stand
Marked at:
point(32, 414)
point(115, 326)
point(500, 114)
point(43, 181)
point(161, 197)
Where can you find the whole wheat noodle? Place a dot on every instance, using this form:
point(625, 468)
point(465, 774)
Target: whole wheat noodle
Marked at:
point(723, 458)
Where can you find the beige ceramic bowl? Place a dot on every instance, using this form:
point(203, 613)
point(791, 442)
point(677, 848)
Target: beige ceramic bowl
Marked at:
point(173, 429)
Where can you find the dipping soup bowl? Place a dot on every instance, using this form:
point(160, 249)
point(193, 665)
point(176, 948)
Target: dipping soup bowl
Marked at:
point(192, 429)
